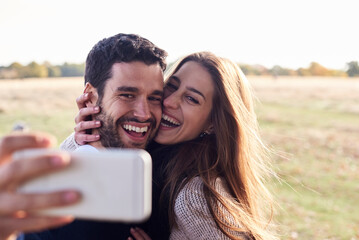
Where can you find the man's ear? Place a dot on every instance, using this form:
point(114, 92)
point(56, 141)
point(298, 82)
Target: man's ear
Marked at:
point(93, 95)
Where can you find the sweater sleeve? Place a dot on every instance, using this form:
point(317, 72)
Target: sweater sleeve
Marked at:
point(193, 217)
point(69, 144)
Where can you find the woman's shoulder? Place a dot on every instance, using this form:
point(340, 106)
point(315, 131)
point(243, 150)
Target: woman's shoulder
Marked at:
point(192, 198)
point(194, 187)
point(193, 216)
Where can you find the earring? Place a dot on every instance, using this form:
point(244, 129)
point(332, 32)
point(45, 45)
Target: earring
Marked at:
point(203, 134)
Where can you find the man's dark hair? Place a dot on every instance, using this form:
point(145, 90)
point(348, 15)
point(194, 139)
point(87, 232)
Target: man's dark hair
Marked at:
point(119, 48)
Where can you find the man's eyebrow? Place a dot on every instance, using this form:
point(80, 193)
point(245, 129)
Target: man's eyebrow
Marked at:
point(157, 92)
point(127, 89)
point(136, 90)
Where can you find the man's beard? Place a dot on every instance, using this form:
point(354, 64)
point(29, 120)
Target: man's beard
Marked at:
point(110, 137)
point(109, 133)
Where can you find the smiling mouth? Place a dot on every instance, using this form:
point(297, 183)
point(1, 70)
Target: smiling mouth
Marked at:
point(168, 121)
point(135, 131)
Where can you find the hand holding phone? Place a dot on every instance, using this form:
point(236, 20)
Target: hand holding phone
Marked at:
point(115, 184)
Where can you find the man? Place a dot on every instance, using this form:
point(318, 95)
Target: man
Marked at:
point(124, 76)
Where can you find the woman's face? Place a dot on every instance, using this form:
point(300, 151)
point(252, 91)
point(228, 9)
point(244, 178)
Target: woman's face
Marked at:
point(187, 104)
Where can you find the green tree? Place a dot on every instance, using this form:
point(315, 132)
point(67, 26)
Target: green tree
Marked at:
point(71, 70)
point(17, 69)
point(35, 70)
point(53, 71)
point(303, 72)
point(280, 71)
point(353, 69)
point(338, 73)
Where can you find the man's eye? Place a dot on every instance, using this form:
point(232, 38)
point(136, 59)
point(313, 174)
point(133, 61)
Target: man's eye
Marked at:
point(157, 99)
point(129, 96)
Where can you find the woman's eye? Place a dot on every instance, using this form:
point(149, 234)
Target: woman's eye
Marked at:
point(192, 99)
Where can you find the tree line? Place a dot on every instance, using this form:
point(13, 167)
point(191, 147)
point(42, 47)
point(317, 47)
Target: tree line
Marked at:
point(35, 70)
point(314, 69)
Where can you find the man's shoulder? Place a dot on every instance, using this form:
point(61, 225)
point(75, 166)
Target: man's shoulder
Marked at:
point(86, 148)
point(84, 229)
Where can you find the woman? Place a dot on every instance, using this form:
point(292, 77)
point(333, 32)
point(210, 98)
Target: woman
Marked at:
point(213, 181)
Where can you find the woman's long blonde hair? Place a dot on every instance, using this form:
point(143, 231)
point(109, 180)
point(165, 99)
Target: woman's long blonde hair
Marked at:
point(234, 153)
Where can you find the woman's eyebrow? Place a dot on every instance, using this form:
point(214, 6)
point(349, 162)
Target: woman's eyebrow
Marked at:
point(178, 80)
point(175, 78)
point(196, 91)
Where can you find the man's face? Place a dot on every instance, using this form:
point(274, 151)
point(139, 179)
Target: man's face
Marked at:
point(131, 105)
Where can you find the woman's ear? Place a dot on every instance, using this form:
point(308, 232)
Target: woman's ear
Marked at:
point(92, 91)
point(209, 130)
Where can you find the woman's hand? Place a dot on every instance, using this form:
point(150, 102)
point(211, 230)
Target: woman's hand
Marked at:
point(16, 208)
point(138, 234)
point(83, 121)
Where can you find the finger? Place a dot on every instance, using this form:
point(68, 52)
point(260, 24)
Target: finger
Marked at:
point(85, 112)
point(136, 234)
point(85, 125)
point(81, 100)
point(83, 138)
point(11, 143)
point(32, 223)
point(139, 234)
point(13, 202)
point(16, 172)
point(142, 233)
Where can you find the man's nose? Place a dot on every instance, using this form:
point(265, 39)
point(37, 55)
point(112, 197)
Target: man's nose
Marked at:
point(142, 110)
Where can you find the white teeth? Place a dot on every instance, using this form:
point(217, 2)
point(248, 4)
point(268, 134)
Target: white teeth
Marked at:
point(171, 120)
point(163, 124)
point(135, 129)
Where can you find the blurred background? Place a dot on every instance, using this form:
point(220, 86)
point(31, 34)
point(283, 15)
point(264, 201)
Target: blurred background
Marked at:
point(300, 56)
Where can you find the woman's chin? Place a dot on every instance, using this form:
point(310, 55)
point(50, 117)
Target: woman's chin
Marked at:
point(166, 138)
point(163, 140)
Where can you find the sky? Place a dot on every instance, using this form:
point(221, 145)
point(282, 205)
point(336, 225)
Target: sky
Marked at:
point(289, 33)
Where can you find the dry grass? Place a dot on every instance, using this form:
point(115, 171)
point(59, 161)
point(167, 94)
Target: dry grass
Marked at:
point(38, 95)
point(313, 122)
point(43, 104)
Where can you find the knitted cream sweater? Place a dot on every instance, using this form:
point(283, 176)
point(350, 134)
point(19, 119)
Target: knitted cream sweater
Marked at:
point(193, 218)
point(69, 144)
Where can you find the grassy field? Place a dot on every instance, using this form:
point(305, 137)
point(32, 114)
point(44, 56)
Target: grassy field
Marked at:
point(312, 122)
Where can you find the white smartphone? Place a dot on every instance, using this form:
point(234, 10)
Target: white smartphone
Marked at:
point(116, 184)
